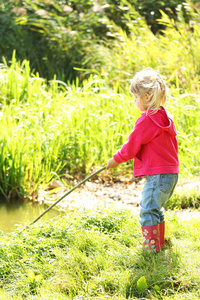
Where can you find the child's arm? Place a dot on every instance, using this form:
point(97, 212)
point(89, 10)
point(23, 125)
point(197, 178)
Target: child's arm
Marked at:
point(143, 132)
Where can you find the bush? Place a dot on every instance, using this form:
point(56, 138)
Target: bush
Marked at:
point(55, 38)
point(59, 38)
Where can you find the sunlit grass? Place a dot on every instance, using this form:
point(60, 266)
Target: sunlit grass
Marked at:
point(50, 129)
point(58, 127)
point(97, 254)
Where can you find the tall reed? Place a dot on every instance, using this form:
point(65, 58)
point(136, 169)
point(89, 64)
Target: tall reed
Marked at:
point(48, 129)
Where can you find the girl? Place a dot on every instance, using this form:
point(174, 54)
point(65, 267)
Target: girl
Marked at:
point(153, 145)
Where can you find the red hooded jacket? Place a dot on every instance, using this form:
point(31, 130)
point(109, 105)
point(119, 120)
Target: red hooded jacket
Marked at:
point(152, 144)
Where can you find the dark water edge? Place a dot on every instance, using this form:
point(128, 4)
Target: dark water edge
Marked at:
point(23, 213)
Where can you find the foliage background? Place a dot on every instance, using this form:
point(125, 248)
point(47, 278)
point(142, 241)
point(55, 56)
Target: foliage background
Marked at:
point(59, 36)
point(65, 74)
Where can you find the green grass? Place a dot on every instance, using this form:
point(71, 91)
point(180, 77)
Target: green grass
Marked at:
point(184, 199)
point(57, 130)
point(96, 254)
point(52, 130)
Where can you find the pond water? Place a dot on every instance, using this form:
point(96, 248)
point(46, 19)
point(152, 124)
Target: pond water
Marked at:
point(23, 213)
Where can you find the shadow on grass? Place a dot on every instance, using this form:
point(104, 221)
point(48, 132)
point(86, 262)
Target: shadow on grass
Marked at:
point(154, 274)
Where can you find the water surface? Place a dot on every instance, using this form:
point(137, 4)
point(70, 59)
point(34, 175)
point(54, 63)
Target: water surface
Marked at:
point(23, 213)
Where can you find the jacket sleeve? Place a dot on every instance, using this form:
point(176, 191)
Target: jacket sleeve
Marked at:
point(143, 132)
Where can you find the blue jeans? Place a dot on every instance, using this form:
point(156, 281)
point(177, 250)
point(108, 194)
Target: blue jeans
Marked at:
point(158, 189)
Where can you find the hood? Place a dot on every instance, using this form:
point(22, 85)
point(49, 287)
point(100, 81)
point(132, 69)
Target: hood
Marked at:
point(164, 120)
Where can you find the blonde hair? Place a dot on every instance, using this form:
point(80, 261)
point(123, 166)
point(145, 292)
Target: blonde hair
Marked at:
point(150, 86)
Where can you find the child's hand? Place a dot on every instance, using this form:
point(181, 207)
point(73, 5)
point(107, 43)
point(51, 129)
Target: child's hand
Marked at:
point(112, 164)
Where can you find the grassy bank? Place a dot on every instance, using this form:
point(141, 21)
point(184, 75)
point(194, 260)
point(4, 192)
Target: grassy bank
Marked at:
point(97, 255)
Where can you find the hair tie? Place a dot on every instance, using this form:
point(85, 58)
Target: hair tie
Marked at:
point(152, 78)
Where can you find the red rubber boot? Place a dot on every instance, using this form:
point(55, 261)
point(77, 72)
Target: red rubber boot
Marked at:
point(151, 235)
point(162, 234)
